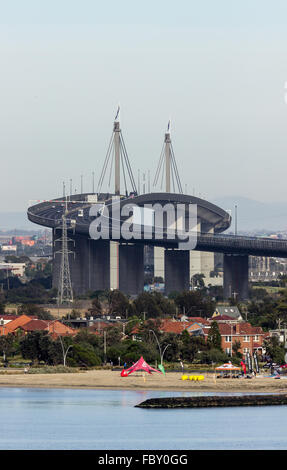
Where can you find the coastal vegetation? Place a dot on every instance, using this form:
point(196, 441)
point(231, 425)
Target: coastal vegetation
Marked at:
point(93, 349)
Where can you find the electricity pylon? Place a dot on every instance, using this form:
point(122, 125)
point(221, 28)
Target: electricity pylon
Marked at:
point(65, 290)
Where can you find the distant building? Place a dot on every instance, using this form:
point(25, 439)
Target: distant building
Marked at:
point(9, 248)
point(26, 324)
point(250, 338)
point(17, 269)
point(231, 312)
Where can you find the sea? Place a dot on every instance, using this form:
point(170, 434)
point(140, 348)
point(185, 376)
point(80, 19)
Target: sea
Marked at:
point(79, 419)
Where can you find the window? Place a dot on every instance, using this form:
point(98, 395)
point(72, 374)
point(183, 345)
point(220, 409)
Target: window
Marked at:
point(246, 350)
point(246, 339)
point(228, 351)
point(256, 338)
point(228, 339)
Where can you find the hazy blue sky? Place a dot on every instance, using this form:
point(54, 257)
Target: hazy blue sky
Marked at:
point(216, 68)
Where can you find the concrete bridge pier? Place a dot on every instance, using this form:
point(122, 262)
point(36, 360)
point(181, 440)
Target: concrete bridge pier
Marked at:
point(235, 277)
point(98, 265)
point(89, 265)
point(89, 262)
point(131, 268)
point(176, 270)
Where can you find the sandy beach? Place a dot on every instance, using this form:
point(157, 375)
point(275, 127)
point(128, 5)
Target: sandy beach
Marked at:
point(107, 379)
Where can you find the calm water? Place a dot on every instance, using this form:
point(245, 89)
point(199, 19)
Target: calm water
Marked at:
point(48, 419)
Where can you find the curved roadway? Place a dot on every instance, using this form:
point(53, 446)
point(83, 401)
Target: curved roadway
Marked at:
point(50, 213)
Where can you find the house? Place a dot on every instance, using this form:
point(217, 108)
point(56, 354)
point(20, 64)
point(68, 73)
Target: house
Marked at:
point(13, 325)
point(249, 337)
point(27, 324)
point(232, 312)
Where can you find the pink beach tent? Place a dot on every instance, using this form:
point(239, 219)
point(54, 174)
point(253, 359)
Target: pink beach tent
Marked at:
point(142, 365)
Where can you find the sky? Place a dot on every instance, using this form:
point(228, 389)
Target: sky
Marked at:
point(217, 70)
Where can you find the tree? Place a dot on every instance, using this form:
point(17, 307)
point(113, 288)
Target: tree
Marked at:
point(197, 280)
point(83, 354)
point(130, 351)
point(65, 349)
point(35, 346)
point(6, 345)
point(214, 337)
point(235, 348)
point(146, 305)
point(191, 346)
point(195, 303)
point(212, 355)
point(118, 303)
point(35, 310)
point(274, 349)
point(96, 308)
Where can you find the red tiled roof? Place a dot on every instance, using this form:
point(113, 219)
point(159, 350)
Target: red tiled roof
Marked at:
point(14, 324)
point(54, 327)
point(171, 326)
point(246, 328)
point(57, 328)
point(223, 317)
point(202, 321)
point(226, 329)
point(35, 325)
